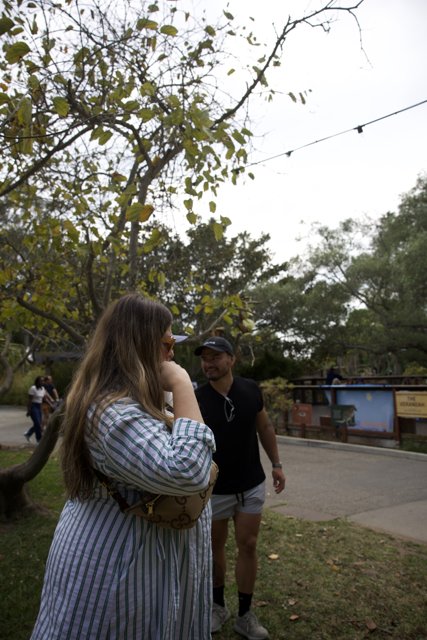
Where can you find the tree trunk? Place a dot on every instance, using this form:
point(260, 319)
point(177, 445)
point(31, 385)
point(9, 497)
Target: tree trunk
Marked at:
point(14, 498)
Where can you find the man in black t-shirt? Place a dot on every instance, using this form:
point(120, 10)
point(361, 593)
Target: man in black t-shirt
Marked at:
point(233, 408)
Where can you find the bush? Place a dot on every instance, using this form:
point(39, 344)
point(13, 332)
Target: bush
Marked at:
point(61, 373)
point(22, 381)
point(277, 394)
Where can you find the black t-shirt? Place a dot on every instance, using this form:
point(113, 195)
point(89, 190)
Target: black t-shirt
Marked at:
point(50, 389)
point(237, 450)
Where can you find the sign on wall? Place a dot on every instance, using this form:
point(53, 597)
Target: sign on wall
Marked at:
point(411, 404)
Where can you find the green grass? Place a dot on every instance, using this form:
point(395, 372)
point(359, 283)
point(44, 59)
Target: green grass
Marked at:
point(417, 444)
point(330, 581)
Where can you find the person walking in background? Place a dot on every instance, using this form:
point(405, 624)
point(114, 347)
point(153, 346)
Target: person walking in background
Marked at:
point(333, 375)
point(47, 406)
point(36, 394)
point(233, 408)
point(112, 574)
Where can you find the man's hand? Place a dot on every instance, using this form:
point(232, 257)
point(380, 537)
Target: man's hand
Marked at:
point(279, 480)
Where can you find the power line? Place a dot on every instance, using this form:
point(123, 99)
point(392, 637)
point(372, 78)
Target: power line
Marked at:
point(359, 129)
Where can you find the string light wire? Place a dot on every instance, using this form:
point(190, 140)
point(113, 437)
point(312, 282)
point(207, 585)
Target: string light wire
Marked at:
point(359, 128)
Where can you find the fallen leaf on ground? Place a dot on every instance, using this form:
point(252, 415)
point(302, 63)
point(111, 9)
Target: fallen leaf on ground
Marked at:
point(371, 625)
point(261, 603)
point(273, 556)
point(293, 617)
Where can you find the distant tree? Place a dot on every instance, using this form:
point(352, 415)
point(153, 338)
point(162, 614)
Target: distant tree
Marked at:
point(360, 293)
point(304, 311)
point(205, 278)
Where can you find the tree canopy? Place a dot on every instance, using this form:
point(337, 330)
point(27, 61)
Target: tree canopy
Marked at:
point(110, 113)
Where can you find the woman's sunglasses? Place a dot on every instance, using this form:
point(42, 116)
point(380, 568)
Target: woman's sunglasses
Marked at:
point(169, 343)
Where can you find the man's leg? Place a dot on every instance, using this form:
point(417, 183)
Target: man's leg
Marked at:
point(246, 531)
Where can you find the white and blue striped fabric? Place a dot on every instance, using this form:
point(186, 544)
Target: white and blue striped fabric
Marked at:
point(111, 576)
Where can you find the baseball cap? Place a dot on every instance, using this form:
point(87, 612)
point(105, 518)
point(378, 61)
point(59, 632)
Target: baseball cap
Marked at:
point(179, 339)
point(217, 344)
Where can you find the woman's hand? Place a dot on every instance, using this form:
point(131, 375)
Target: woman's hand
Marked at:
point(172, 375)
point(174, 378)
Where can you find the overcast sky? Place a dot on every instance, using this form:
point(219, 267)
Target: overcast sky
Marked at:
point(351, 175)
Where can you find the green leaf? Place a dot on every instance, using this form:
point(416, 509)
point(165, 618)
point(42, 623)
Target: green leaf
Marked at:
point(169, 30)
point(230, 152)
point(16, 52)
point(138, 212)
point(130, 105)
point(24, 112)
point(145, 23)
point(147, 89)
point(174, 101)
point(292, 97)
point(189, 189)
point(118, 177)
point(153, 241)
point(190, 147)
point(210, 31)
point(191, 217)
point(218, 231)
point(146, 114)
point(61, 106)
point(104, 137)
point(26, 142)
point(6, 25)
point(228, 15)
point(238, 137)
point(261, 76)
point(34, 26)
point(212, 206)
point(60, 78)
point(71, 230)
point(231, 71)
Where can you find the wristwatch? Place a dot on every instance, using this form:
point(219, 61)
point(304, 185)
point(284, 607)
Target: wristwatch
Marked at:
point(277, 465)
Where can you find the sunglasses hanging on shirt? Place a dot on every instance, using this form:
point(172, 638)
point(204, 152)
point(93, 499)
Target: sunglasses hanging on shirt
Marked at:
point(229, 409)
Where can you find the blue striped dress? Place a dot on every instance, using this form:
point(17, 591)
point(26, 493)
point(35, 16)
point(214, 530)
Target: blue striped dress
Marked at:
point(111, 576)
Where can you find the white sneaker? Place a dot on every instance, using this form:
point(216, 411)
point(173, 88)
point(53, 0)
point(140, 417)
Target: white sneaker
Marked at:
point(249, 627)
point(220, 616)
point(27, 436)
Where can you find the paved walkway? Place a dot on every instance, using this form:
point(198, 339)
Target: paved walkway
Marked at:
point(383, 489)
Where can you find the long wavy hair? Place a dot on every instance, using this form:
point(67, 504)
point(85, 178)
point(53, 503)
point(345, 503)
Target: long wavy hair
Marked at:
point(122, 360)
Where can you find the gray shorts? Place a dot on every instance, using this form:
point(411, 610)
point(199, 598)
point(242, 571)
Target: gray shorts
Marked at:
point(226, 506)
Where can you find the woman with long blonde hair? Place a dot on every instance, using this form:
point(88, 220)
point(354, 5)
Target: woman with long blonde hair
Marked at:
point(112, 575)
